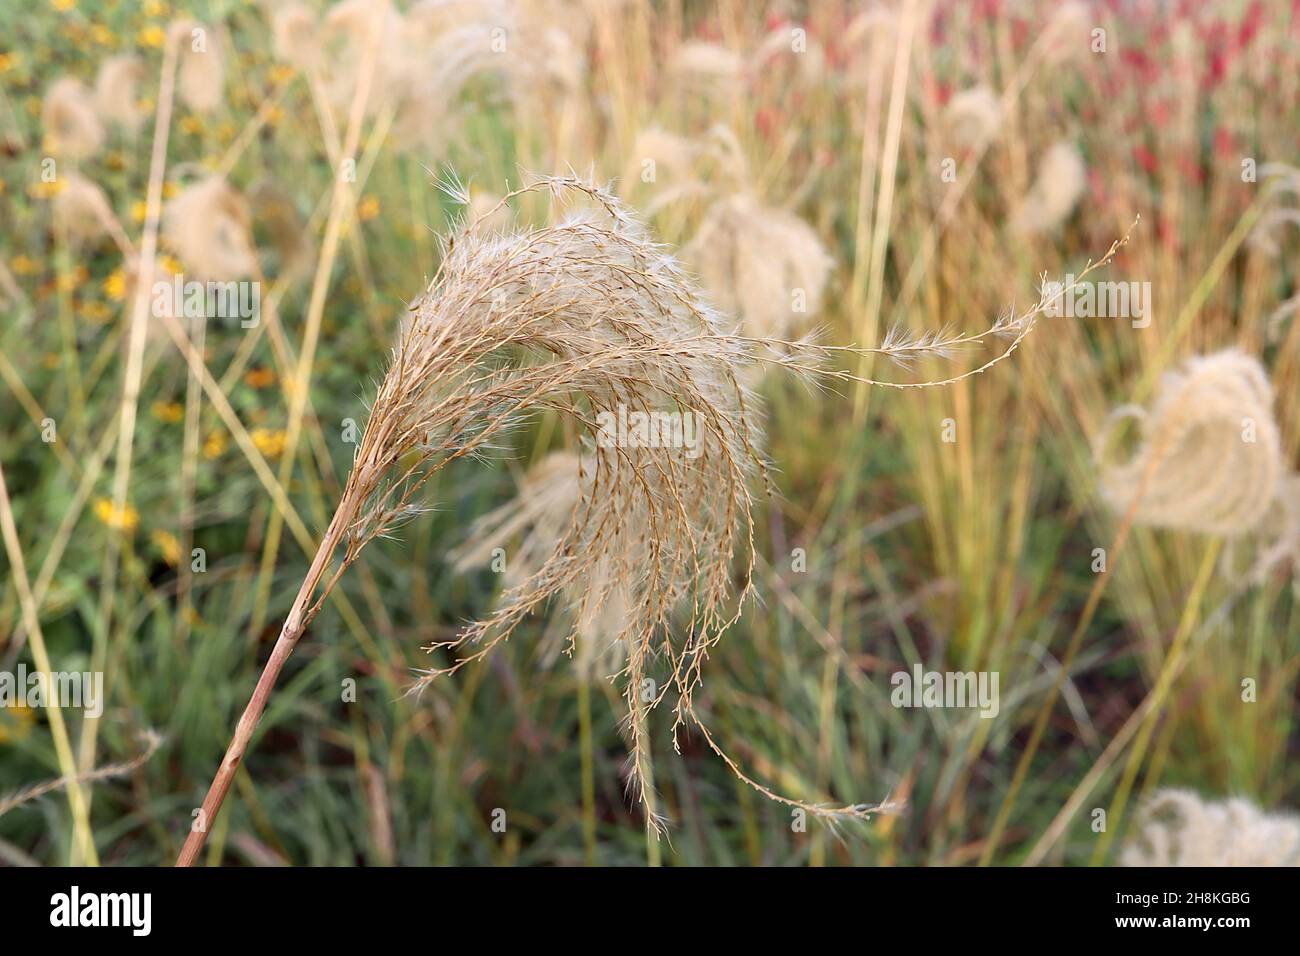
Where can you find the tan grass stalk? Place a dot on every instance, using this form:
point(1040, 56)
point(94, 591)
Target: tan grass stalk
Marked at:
point(299, 383)
point(132, 375)
point(84, 841)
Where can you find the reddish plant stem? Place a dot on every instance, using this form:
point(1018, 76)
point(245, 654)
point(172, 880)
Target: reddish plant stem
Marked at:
point(295, 624)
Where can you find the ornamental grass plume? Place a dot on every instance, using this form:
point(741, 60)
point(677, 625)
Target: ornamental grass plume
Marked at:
point(533, 524)
point(1269, 232)
point(81, 210)
point(1179, 828)
point(201, 73)
point(707, 69)
point(71, 122)
point(117, 91)
point(586, 317)
point(766, 266)
point(274, 215)
point(208, 225)
point(1282, 526)
point(1210, 457)
point(293, 35)
point(344, 37)
point(973, 116)
point(1058, 186)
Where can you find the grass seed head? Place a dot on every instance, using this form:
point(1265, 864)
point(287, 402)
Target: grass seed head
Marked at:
point(72, 125)
point(1210, 456)
point(208, 226)
point(1179, 828)
point(1058, 186)
point(117, 91)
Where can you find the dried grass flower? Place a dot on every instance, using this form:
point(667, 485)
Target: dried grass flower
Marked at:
point(208, 225)
point(973, 116)
point(81, 210)
point(764, 265)
point(71, 121)
point(1058, 186)
point(1210, 456)
point(525, 531)
point(294, 35)
point(707, 69)
point(589, 318)
point(1179, 828)
point(117, 91)
point(201, 70)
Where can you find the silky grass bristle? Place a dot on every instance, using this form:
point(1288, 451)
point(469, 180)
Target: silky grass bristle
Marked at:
point(532, 525)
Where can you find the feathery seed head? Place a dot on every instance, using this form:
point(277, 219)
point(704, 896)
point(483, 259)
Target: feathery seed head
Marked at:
point(1057, 189)
point(1210, 457)
point(208, 226)
point(81, 210)
point(117, 91)
point(201, 71)
point(766, 266)
point(72, 125)
point(1179, 828)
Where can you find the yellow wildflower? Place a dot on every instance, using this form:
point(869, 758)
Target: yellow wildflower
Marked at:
point(45, 190)
point(74, 278)
point(94, 311)
point(169, 412)
point(115, 285)
point(215, 446)
point(128, 519)
point(259, 377)
point(152, 36)
point(269, 441)
point(168, 546)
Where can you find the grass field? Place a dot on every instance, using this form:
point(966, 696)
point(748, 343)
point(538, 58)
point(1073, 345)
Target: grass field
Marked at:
point(1101, 509)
